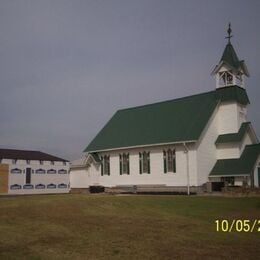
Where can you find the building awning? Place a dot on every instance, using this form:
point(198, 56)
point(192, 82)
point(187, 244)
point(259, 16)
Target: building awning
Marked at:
point(234, 137)
point(242, 166)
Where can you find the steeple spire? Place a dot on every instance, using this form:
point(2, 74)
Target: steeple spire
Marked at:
point(231, 70)
point(229, 31)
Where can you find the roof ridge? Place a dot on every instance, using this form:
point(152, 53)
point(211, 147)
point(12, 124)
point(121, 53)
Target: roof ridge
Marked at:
point(166, 101)
point(180, 98)
point(11, 149)
point(21, 154)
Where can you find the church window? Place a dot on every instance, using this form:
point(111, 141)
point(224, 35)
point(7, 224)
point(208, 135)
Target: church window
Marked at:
point(169, 160)
point(105, 165)
point(124, 163)
point(144, 162)
point(226, 78)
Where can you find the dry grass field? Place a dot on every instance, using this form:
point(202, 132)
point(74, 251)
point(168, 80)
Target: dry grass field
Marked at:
point(125, 227)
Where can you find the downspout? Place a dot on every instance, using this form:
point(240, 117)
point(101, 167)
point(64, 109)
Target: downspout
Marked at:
point(252, 181)
point(186, 151)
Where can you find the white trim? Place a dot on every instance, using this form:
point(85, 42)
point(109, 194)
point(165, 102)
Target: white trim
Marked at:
point(246, 69)
point(253, 132)
point(223, 63)
point(230, 175)
point(256, 166)
point(78, 166)
point(216, 69)
point(186, 151)
point(205, 129)
point(139, 146)
point(89, 157)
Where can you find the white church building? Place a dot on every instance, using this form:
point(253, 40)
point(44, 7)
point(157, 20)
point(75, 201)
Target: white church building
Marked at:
point(183, 144)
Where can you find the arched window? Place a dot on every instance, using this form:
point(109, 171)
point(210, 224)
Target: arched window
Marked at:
point(105, 165)
point(144, 162)
point(124, 163)
point(169, 160)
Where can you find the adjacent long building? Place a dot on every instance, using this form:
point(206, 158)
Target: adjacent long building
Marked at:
point(32, 172)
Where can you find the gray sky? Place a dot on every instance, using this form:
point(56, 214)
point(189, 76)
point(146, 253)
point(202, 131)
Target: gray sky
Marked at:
point(67, 66)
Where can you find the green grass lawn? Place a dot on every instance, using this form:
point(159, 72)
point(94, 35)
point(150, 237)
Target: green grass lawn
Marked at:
point(125, 227)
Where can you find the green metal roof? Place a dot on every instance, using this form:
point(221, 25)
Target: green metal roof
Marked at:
point(241, 166)
point(230, 57)
point(232, 93)
point(234, 137)
point(171, 121)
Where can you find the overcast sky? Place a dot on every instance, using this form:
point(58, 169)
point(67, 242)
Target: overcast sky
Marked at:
point(67, 66)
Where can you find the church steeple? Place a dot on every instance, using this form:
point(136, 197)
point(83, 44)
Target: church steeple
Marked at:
point(230, 70)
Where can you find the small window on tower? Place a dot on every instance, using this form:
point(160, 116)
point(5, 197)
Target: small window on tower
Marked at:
point(226, 78)
point(229, 79)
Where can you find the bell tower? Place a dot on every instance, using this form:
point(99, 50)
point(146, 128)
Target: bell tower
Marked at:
point(230, 71)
